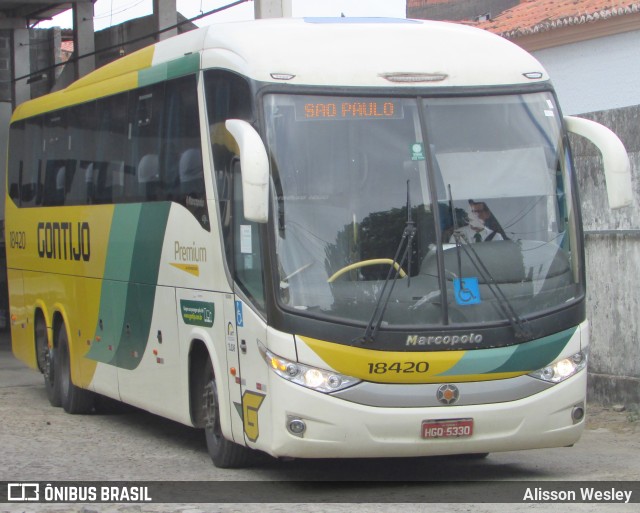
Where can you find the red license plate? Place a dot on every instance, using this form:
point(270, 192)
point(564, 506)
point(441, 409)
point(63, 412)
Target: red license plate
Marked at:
point(450, 428)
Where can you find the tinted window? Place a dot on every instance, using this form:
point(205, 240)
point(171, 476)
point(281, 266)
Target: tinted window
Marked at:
point(16, 159)
point(58, 167)
point(83, 136)
point(182, 171)
point(145, 107)
point(113, 173)
point(140, 145)
point(32, 170)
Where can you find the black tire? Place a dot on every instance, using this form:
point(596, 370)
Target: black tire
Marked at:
point(472, 456)
point(74, 399)
point(46, 359)
point(224, 453)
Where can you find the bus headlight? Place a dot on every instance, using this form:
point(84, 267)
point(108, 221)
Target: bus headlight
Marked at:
point(562, 369)
point(311, 377)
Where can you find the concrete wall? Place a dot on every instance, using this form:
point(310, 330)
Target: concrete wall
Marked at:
point(600, 77)
point(612, 265)
point(594, 75)
point(114, 37)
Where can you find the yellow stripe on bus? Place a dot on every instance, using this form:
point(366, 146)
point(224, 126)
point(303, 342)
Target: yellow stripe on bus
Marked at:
point(116, 77)
point(389, 366)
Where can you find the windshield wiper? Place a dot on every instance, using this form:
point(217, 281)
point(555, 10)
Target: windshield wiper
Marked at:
point(520, 327)
point(406, 241)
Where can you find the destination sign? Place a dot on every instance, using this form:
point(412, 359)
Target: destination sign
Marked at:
point(348, 108)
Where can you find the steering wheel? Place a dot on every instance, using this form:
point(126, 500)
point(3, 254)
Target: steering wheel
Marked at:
point(366, 263)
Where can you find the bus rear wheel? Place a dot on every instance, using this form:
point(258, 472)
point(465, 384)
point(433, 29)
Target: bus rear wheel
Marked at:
point(224, 453)
point(46, 358)
point(74, 399)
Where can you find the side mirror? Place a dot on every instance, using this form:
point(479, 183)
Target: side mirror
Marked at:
point(254, 164)
point(615, 160)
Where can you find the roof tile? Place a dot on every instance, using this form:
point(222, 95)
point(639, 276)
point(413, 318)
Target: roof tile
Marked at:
point(532, 16)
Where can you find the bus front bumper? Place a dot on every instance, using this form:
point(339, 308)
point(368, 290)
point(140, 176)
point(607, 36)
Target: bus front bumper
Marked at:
point(335, 428)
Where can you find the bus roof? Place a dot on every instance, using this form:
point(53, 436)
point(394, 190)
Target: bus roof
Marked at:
point(365, 52)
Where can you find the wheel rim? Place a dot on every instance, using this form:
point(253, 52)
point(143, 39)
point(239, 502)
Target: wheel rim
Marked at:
point(48, 365)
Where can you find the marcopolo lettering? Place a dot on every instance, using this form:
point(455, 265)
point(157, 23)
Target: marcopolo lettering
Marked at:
point(443, 340)
point(64, 241)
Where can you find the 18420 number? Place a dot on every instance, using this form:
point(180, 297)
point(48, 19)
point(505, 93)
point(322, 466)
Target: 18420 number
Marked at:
point(398, 367)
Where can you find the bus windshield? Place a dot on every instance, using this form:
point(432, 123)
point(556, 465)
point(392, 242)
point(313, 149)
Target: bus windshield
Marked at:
point(483, 181)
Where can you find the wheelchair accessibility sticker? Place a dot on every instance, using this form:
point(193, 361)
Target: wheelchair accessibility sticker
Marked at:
point(239, 317)
point(466, 291)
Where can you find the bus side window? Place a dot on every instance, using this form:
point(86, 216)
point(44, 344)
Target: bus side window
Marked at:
point(55, 152)
point(145, 125)
point(112, 149)
point(181, 155)
point(32, 171)
point(247, 244)
point(83, 137)
point(228, 97)
point(16, 159)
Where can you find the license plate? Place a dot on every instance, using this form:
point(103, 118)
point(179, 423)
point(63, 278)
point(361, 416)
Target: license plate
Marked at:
point(450, 428)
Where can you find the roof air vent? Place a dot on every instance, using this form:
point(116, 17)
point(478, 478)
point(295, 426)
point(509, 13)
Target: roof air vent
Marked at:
point(282, 76)
point(414, 77)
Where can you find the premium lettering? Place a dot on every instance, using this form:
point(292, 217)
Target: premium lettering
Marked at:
point(191, 253)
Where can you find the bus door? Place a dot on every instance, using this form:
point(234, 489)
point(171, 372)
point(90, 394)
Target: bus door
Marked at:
point(251, 332)
point(232, 370)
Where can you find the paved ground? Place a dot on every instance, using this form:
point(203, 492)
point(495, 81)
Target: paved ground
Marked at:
point(44, 444)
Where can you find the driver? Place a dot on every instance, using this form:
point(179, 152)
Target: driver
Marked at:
point(482, 226)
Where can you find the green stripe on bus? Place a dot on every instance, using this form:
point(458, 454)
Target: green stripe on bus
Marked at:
point(537, 354)
point(128, 291)
point(523, 357)
point(113, 295)
point(143, 279)
point(168, 70)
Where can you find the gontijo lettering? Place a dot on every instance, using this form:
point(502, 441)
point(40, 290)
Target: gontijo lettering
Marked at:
point(64, 241)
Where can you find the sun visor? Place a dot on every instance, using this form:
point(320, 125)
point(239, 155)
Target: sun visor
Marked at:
point(495, 174)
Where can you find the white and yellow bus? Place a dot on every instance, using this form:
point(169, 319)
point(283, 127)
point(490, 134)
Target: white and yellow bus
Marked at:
point(267, 230)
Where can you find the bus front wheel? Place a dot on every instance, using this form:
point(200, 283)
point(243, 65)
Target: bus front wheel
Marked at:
point(224, 453)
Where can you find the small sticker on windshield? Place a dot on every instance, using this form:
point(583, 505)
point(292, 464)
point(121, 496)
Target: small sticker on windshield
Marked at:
point(466, 291)
point(417, 151)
